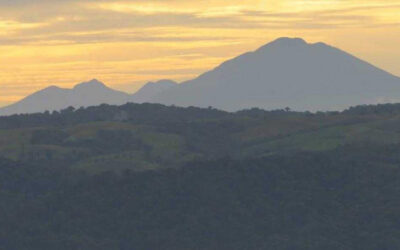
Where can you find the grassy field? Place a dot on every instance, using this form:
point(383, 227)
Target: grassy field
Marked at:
point(117, 145)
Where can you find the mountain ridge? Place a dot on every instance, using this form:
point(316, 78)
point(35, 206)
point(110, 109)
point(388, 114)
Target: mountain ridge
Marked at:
point(53, 98)
point(287, 72)
point(151, 90)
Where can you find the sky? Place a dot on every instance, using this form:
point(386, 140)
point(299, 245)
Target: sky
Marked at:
point(127, 43)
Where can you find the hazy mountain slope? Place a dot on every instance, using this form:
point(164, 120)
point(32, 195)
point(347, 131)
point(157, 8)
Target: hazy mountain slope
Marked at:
point(288, 72)
point(151, 90)
point(284, 73)
point(55, 98)
point(95, 93)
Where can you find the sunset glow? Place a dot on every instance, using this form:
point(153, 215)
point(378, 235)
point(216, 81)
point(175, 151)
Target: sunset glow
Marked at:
point(127, 43)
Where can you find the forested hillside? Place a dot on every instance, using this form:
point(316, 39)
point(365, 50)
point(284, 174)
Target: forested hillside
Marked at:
point(155, 177)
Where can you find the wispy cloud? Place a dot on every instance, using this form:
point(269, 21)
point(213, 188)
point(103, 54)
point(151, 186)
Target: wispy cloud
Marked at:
point(128, 42)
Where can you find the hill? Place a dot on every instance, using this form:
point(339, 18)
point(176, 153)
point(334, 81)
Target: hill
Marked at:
point(152, 136)
point(148, 176)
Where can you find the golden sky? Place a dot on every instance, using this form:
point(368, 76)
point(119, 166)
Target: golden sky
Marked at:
point(127, 43)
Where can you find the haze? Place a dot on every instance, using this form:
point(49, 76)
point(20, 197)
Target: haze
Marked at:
point(127, 43)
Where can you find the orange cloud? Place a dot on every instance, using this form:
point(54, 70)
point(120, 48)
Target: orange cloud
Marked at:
point(126, 43)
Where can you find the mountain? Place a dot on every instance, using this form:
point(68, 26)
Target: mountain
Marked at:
point(288, 73)
point(54, 98)
point(151, 90)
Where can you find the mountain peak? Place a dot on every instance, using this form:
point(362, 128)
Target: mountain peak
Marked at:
point(85, 94)
point(152, 89)
point(287, 72)
point(49, 90)
point(285, 42)
point(94, 83)
point(165, 82)
point(290, 40)
point(51, 87)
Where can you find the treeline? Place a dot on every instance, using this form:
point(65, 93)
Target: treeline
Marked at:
point(155, 113)
point(137, 113)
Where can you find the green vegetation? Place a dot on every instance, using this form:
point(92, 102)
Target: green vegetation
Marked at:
point(157, 137)
point(190, 178)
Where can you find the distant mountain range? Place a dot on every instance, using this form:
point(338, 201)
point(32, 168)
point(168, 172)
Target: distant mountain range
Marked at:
point(55, 98)
point(85, 94)
point(287, 72)
point(151, 90)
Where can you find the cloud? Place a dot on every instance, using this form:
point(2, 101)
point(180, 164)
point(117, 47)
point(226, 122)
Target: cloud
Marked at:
point(88, 16)
point(62, 42)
